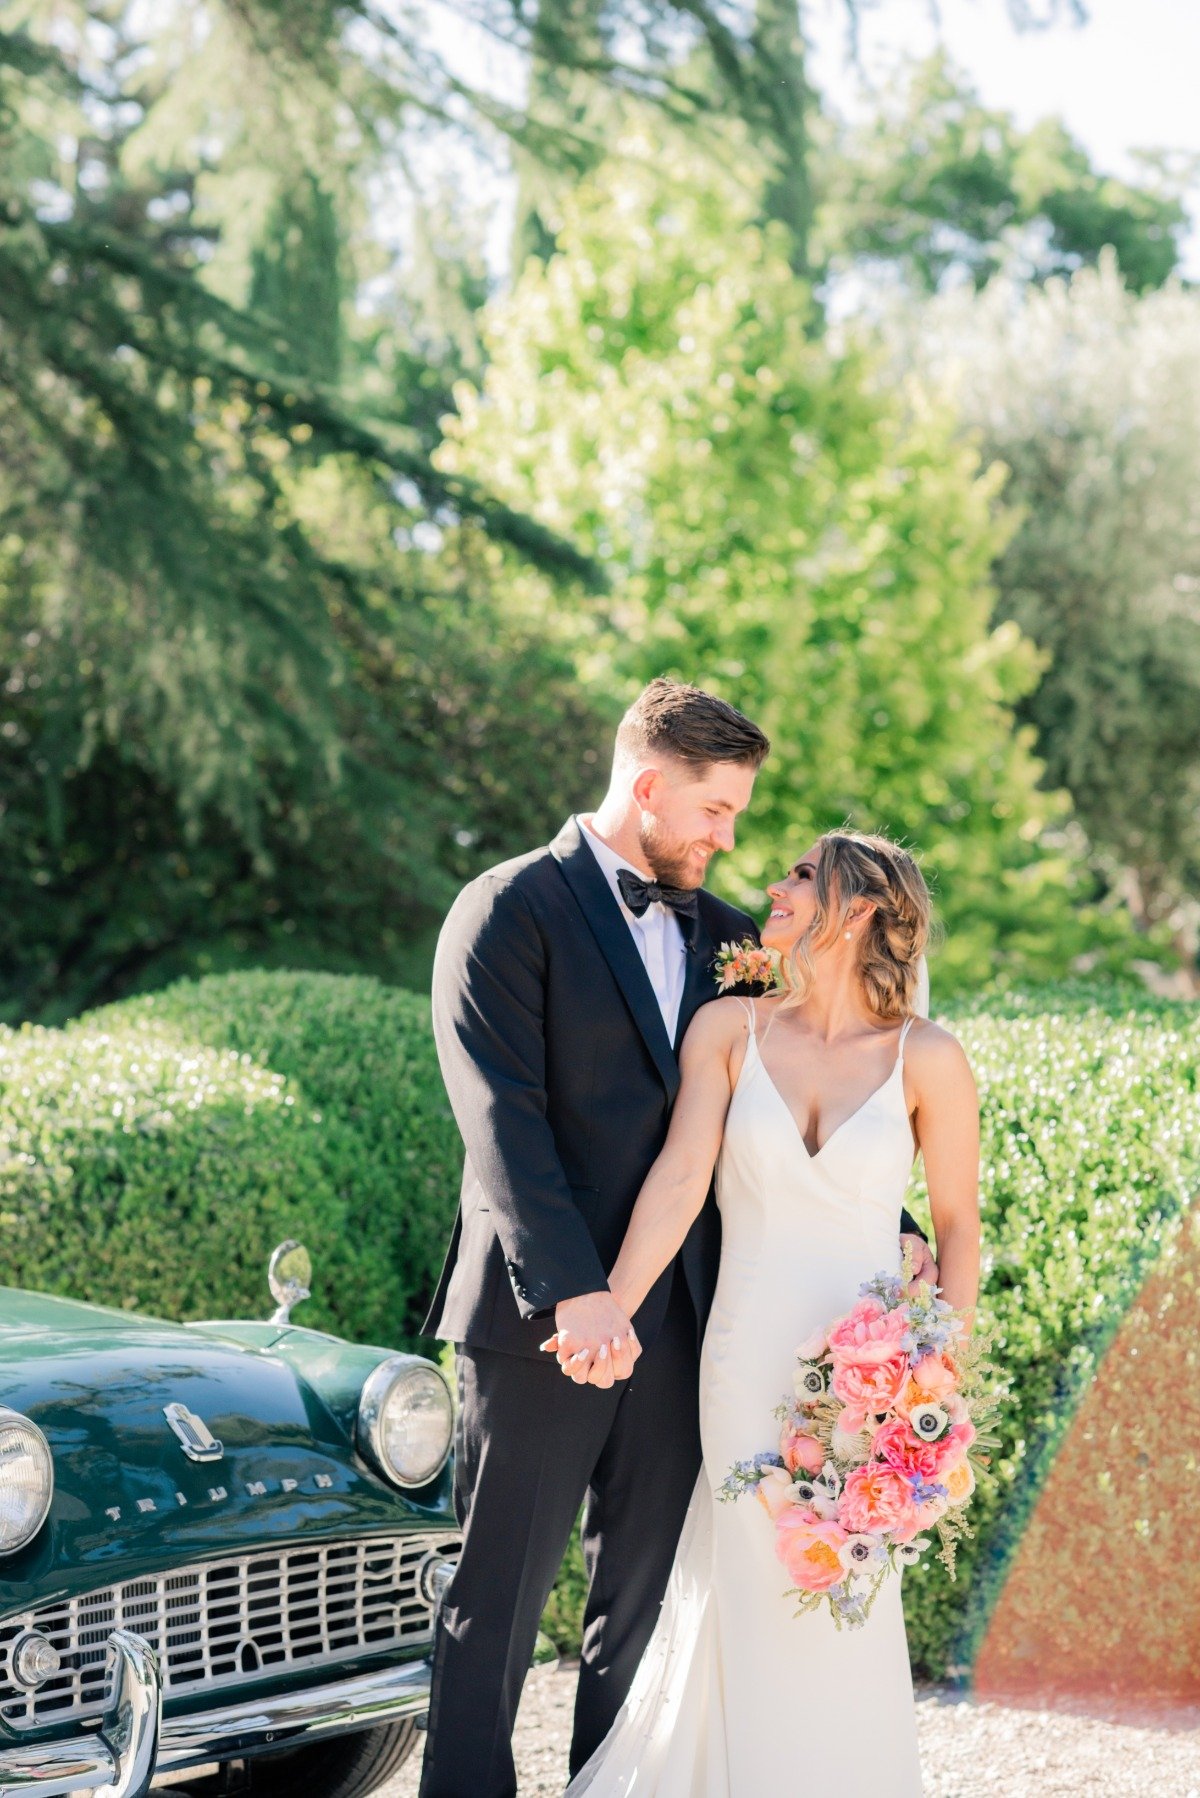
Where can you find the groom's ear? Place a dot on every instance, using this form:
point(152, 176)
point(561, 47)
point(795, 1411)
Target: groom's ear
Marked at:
point(645, 785)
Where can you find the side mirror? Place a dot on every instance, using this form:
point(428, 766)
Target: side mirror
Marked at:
point(290, 1278)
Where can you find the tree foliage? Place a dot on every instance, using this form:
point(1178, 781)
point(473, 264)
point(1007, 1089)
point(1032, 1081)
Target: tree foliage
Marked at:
point(777, 524)
point(229, 715)
point(936, 184)
point(1090, 396)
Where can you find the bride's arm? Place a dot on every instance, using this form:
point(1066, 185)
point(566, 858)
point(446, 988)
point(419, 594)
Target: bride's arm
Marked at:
point(947, 1126)
point(676, 1187)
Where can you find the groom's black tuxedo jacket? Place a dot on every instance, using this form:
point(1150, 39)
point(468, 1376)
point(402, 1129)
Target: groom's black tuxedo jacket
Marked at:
point(561, 1077)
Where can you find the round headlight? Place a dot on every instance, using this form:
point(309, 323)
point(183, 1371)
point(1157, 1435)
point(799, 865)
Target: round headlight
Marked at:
point(26, 1481)
point(406, 1420)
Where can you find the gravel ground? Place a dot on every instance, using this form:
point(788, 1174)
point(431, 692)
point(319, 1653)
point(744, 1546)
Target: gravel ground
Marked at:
point(969, 1749)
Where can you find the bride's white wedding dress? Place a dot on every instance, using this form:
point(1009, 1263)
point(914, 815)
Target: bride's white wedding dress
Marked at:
point(735, 1693)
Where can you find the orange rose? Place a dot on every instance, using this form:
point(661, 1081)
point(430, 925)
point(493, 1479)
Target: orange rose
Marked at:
point(933, 1381)
point(801, 1452)
point(959, 1482)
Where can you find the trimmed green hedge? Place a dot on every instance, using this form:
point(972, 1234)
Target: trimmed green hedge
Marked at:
point(1090, 1106)
point(153, 1153)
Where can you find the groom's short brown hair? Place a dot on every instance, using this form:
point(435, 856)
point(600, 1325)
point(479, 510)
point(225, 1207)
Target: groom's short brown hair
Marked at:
point(669, 718)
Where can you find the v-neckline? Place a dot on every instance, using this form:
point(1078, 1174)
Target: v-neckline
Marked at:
point(814, 1155)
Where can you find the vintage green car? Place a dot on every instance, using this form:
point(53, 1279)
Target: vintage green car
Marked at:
point(222, 1546)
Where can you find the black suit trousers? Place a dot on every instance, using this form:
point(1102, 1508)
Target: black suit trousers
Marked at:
point(531, 1448)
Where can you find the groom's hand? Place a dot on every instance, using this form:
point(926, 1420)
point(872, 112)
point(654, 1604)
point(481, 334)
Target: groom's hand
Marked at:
point(925, 1268)
point(586, 1329)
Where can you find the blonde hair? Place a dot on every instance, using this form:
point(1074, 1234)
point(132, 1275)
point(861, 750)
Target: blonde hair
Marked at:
point(850, 866)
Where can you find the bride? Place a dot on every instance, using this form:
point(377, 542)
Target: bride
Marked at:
point(811, 1103)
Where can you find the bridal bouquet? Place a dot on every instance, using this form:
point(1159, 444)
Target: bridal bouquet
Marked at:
point(881, 1441)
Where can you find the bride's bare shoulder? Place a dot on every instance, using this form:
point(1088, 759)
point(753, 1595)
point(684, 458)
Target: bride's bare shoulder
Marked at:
point(721, 1020)
point(935, 1053)
point(720, 1027)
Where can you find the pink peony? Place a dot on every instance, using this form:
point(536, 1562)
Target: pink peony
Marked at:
point(866, 1389)
point(898, 1445)
point(776, 1492)
point(936, 1375)
point(801, 1452)
point(869, 1334)
point(870, 1368)
point(877, 1500)
point(810, 1549)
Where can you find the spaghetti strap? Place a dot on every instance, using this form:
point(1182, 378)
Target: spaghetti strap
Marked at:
point(749, 1009)
point(766, 1033)
point(908, 1024)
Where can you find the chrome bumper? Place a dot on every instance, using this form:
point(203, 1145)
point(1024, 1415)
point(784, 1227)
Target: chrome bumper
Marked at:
point(134, 1741)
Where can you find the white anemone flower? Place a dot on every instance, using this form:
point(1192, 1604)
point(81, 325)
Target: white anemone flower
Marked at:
point(808, 1382)
point(858, 1554)
point(908, 1552)
point(830, 1478)
point(928, 1422)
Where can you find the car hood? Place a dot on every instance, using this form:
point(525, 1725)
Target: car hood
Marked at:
point(127, 1496)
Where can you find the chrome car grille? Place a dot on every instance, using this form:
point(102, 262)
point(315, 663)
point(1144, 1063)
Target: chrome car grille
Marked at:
point(223, 1623)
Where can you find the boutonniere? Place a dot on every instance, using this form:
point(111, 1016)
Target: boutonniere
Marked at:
point(743, 964)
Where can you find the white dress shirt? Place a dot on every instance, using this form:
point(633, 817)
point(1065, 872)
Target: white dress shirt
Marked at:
point(657, 932)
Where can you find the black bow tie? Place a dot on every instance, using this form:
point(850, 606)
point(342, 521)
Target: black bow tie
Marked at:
point(639, 894)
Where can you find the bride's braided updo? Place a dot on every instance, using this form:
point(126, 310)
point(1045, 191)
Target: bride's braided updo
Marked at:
point(853, 866)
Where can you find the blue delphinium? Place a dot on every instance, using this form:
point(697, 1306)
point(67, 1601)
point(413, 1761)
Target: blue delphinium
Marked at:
point(888, 1288)
point(744, 1476)
point(925, 1490)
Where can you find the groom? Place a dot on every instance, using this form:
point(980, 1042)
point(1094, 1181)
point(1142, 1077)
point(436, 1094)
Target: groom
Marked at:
point(563, 984)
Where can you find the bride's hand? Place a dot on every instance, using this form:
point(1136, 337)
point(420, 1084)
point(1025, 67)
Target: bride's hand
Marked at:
point(925, 1268)
point(612, 1361)
point(617, 1364)
point(594, 1342)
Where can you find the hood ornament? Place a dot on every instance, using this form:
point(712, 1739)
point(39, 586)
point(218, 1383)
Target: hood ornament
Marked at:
point(199, 1443)
point(290, 1278)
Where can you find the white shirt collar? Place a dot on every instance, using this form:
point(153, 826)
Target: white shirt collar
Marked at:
point(608, 858)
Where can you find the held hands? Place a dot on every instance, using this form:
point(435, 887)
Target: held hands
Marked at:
point(925, 1268)
point(594, 1341)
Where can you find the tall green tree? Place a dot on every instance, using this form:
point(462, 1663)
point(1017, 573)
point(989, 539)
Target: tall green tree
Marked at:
point(780, 523)
point(1089, 396)
point(231, 728)
point(935, 183)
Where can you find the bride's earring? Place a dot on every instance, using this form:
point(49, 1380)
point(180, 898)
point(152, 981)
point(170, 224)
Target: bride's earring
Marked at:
point(849, 934)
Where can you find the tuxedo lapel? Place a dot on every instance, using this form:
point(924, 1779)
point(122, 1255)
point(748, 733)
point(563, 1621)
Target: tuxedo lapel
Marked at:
point(698, 980)
point(594, 896)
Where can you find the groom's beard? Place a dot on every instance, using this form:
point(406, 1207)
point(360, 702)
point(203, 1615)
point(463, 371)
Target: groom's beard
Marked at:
point(669, 860)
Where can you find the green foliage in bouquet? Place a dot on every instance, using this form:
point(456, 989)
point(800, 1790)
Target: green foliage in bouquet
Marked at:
point(153, 1153)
